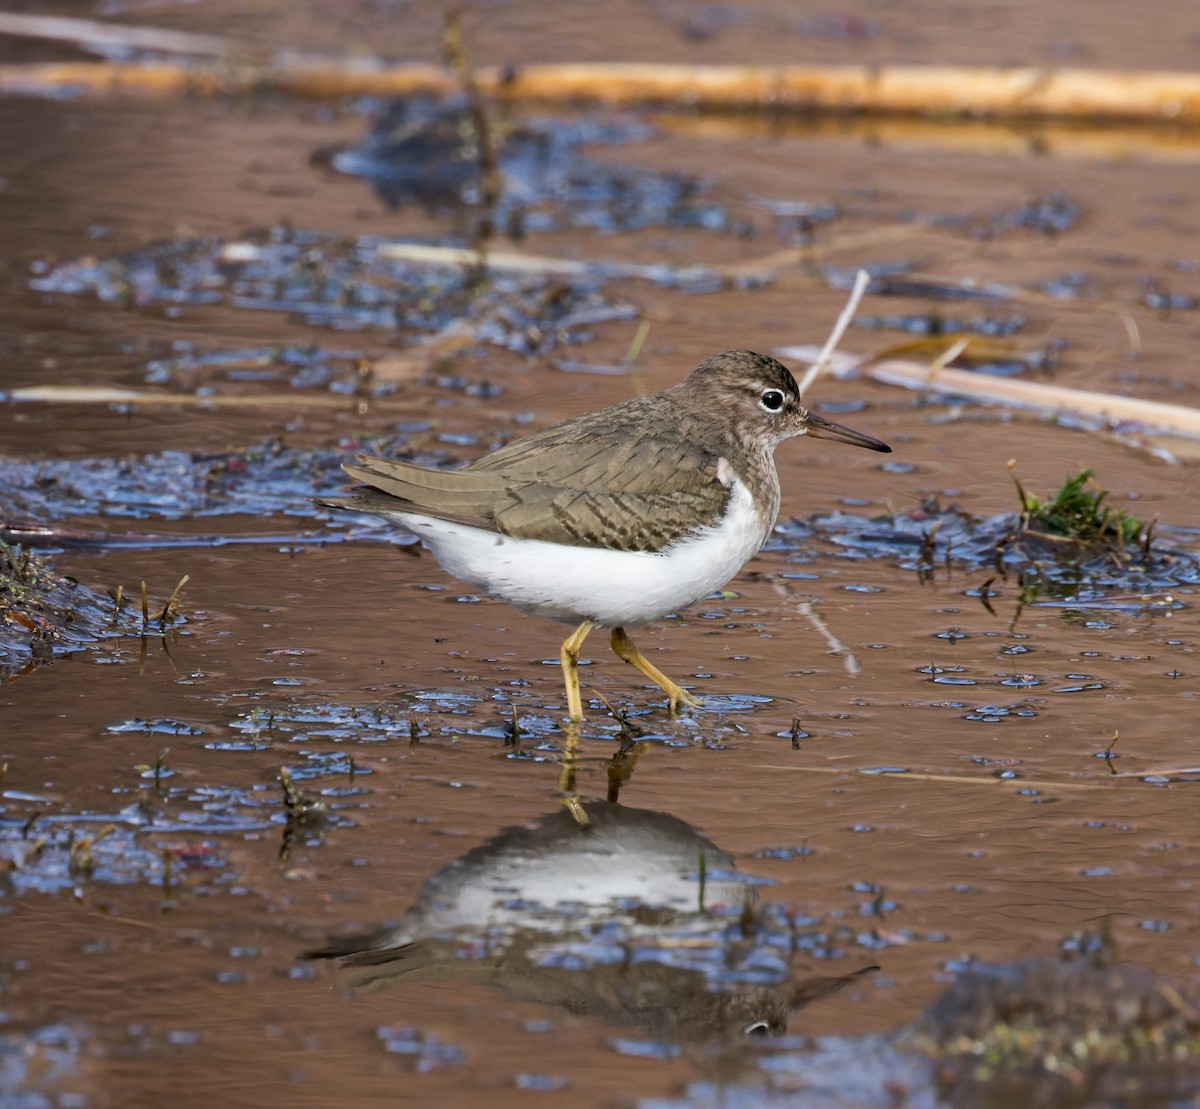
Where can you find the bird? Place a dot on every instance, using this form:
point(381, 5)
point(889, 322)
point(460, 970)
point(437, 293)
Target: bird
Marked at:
point(617, 517)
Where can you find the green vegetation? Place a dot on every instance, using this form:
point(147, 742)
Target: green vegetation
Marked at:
point(1078, 512)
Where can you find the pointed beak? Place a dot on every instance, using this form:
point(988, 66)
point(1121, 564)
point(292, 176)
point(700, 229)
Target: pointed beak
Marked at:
point(820, 428)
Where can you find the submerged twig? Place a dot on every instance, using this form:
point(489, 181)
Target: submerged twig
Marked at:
point(118, 596)
point(956, 779)
point(301, 811)
point(993, 780)
point(985, 595)
point(1170, 772)
point(512, 730)
point(835, 645)
point(79, 857)
point(171, 609)
point(298, 805)
point(1108, 751)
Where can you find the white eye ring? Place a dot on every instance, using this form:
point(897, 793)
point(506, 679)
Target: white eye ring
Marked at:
point(772, 400)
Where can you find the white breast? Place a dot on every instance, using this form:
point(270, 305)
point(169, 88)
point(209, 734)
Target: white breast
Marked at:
point(613, 588)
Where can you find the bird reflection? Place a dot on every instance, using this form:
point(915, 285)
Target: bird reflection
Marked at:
point(629, 915)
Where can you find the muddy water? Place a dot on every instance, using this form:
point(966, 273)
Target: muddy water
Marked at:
point(945, 798)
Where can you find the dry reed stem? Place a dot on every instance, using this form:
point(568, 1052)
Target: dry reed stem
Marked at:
point(103, 38)
point(998, 92)
point(1175, 419)
point(1018, 92)
point(861, 280)
point(105, 394)
point(515, 261)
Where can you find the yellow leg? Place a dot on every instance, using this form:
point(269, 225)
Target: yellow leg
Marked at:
point(566, 778)
point(569, 655)
point(627, 650)
point(570, 761)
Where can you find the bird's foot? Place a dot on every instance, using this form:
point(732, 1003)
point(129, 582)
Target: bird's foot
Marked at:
point(677, 696)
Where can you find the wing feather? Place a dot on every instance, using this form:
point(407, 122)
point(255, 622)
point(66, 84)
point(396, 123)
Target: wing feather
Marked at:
point(611, 479)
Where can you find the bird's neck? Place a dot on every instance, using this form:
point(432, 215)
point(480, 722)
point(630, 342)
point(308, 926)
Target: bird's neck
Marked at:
point(756, 468)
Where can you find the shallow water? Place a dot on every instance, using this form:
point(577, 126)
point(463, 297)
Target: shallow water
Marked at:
point(946, 797)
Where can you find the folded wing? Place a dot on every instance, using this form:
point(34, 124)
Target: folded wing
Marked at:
point(602, 489)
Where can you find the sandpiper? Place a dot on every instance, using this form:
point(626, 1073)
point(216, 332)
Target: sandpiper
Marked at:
point(618, 517)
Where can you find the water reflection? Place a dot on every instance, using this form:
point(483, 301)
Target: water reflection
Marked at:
point(425, 150)
point(629, 915)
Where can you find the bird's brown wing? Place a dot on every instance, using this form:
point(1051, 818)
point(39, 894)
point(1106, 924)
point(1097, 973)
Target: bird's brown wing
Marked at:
point(622, 521)
point(591, 483)
point(599, 489)
point(455, 495)
point(628, 448)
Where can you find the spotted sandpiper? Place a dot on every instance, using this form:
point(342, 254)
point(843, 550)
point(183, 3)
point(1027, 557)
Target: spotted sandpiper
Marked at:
point(618, 517)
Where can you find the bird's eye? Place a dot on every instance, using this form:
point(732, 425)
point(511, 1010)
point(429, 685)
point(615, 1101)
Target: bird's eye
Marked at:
point(772, 400)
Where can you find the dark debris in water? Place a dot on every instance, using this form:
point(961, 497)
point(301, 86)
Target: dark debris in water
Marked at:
point(1042, 1033)
point(458, 713)
point(1047, 566)
point(1050, 215)
point(44, 1066)
point(899, 279)
point(422, 150)
point(44, 614)
point(933, 324)
point(422, 1052)
point(1073, 1030)
point(267, 479)
point(1076, 285)
point(191, 369)
point(348, 284)
point(169, 835)
point(161, 843)
point(52, 858)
